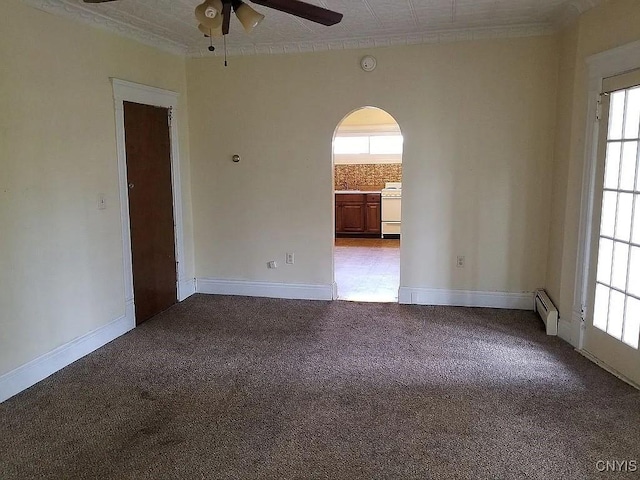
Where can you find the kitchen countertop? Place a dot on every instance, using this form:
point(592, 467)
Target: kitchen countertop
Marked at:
point(357, 191)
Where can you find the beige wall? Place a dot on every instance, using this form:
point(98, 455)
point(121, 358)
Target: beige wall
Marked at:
point(567, 49)
point(478, 121)
point(612, 24)
point(61, 258)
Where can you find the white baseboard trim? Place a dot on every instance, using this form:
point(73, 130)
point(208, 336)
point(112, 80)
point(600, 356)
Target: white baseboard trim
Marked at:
point(186, 288)
point(130, 311)
point(30, 373)
point(465, 298)
point(264, 289)
point(606, 367)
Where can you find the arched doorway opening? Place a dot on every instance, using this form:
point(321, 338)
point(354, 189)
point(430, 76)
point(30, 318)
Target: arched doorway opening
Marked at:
point(367, 183)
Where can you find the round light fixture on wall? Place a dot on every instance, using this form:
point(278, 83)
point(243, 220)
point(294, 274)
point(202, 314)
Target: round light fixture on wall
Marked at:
point(368, 63)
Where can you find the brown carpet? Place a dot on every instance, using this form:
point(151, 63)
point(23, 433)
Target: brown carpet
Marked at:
point(248, 388)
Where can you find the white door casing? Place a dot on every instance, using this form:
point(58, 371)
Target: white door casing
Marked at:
point(124, 91)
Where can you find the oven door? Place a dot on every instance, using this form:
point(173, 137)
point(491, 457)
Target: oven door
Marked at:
point(391, 216)
point(391, 209)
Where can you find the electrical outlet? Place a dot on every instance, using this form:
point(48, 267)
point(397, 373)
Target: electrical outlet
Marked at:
point(460, 261)
point(290, 258)
point(272, 264)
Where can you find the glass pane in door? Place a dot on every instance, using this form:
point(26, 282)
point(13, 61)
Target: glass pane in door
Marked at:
point(632, 123)
point(612, 168)
point(616, 115)
point(631, 334)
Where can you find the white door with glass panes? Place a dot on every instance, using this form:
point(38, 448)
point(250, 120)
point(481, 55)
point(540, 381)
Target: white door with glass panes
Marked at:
point(612, 332)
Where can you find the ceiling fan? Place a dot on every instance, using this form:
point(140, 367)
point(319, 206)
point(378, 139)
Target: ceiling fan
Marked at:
point(214, 15)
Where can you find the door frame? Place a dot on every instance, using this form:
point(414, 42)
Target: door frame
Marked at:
point(599, 66)
point(356, 130)
point(125, 91)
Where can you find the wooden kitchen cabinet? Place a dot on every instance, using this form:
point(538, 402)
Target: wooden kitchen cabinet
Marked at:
point(352, 218)
point(358, 214)
point(372, 217)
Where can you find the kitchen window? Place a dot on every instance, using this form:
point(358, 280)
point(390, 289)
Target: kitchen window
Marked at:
point(351, 145)
point(383, 144)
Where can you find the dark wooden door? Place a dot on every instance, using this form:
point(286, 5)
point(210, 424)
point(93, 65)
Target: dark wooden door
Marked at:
point(148, 149)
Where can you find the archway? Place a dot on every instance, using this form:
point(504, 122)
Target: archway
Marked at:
point(367, 183)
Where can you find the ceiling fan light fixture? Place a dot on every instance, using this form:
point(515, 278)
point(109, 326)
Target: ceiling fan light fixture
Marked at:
point(211, 32)
point(248, 17)
point(209, 14)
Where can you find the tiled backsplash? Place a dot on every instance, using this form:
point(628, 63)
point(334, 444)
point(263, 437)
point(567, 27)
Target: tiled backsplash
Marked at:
point(366, 176)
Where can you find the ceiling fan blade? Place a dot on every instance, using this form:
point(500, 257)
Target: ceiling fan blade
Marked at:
point(303, 10)
point(226, 17)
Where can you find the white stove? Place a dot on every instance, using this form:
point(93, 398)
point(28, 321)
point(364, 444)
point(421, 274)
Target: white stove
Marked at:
point(391, 208)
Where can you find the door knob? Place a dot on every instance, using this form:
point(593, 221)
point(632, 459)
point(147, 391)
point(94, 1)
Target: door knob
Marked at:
point(130, 185)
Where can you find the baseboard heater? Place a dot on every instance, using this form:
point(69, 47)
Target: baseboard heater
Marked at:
point(547, 311)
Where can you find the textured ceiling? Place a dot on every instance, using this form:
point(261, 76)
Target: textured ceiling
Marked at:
point(170, 24)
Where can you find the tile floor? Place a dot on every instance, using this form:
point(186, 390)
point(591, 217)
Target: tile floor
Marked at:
point(367, 269)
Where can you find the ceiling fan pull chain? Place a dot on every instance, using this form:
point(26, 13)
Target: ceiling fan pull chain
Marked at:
point(211, 47)
point(224, 39)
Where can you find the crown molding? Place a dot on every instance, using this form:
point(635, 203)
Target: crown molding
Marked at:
point(86, 16)
point(571, 10)
point(65, 8)
point(444, 36)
